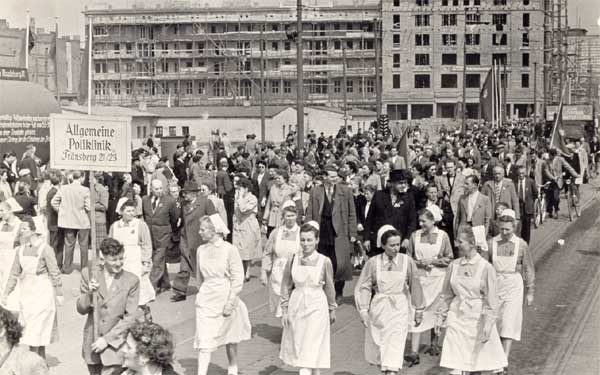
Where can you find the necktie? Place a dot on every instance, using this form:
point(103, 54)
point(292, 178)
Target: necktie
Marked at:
point(497, 191)
point(329, 193)
point(523, 189)
point(154, 203)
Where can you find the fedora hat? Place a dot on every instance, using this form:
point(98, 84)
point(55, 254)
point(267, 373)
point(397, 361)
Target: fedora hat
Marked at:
point(190, 186)
point(397, 175)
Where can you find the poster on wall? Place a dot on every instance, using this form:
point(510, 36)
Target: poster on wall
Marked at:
point(18, 131)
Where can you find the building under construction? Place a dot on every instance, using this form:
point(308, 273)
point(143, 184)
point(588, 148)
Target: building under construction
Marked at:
point(210, 52)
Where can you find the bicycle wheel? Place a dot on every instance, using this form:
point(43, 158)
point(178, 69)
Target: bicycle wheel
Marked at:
point(577, 204)
point(543, 212)
point(537, 213)
point(570, 204)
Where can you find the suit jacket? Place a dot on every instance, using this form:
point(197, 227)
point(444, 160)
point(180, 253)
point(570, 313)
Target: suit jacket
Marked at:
point(451, 193)
point(72, 202)
point(508, 195)
point(531, 193)
point(101, 205)
point(482, 213)
point(360, 203)
point(118, 306)
point(381, 212)
point(512, 171)
point(10, 175)
point(52, 214)
point(162, 221)
point(261, 190)
point(397, 162)
point(190, 225)
point(553, 170)
point(180, 172)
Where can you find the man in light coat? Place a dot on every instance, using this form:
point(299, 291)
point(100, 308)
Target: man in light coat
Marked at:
point(72, 202)
point(474, 208)
point(451, 186)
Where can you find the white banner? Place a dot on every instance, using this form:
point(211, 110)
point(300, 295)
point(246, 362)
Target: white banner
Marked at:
point(98, 143)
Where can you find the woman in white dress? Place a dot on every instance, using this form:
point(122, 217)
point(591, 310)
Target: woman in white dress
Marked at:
point(39, 278)
point(387, 287)
point(430, 248)
point(221, 316)
point(512, 261)
point(469, 310)
point(246, 230)
point(283, 242)
point(134, 234)
point(308, 305)
point(9, 241)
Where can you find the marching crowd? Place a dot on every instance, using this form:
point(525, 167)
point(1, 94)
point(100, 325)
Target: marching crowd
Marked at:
point(439, 232)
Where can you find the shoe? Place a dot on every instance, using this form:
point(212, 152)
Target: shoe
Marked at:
point(339, 300)
point(412, 359)
point(162, 290)
point(66, 271)
point(178, 297)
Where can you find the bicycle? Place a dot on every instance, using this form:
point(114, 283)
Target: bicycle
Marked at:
point(572, 195)
point(539, 206)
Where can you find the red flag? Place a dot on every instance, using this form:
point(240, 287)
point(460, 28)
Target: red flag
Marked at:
point(31, 40)
point(486, 98)
point(558, 133)
point(402, 145)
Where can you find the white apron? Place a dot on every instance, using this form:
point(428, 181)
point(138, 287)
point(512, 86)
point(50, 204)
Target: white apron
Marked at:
point(7, 258)
point(132, 258)
point(284, 249)
point(432, 281)
point(510, 292)
point(305, 341)
point(389, 313)
point(461, 349)
point(212, 328)
point(37, 301)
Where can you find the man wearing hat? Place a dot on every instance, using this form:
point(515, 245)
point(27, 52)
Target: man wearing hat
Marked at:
point(195, 206)
point(394, 205)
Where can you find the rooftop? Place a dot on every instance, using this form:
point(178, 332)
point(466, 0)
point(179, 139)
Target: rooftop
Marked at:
point(217, 111)
point(26, 98)
point(108, 111)
point(355, 112)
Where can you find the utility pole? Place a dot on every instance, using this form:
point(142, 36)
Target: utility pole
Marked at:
point(345, 86)
point(535, 92)
point(56, 59)
point(463, 126)
point(262, 88)
point(377, 68)
point(300, 79)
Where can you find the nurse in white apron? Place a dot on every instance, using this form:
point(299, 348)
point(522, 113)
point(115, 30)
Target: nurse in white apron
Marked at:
point(430, 248)
point(387, 314)
point(134, 234)
point(513, 263)
point(283, 242)
point(39, 277)
point(469, 310)
point(9, 233)
point(308, 306)
point(221, 316)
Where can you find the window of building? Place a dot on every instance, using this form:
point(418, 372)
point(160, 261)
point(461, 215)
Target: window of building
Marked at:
point(422, 81)
point(473, 81)
point(99, 88)
point(396, 60)
point(422, 20)
point(246, 65)
point(189, 87)
point(525, 39)
point(128, 48)
point(448, 58)
point(525, 2)
point(499, 58)
point(337, 86)
point(213, 29)
point(100, 31)
point(117, 88)
point(499, 39)
point(473, 59)
point(444, 3)
point(525, 60)
point(337, 44)
point(275, 87)
point(449, 39)
point(476, 3)
point(172, 131)
point(472, 39)
point(396, 21)
point(287, 45)
point(525, 80)
point(349, 86)
point(188, 64)
point(217, 68)
point(449, 81)
point(349, 26)
point(128, 88)
point(525, 19)
point(185, 130)
point(274, 46)
point(368, 45)
point(466, 3)
point(396, 81)
point(396, 3)
point(396, 40)
point(349, 44)
point(422, 59)
point(100, 67)
point(117, 68)
point(448, 19)
point(201, 87)
point(287, 87)
point(116, 48)
point(370, 86)
point(473, 18)
point(158, 131)
point(499, 18)
point(455, 3)
point(421, 39)
point(422, 3)
point(499, 2)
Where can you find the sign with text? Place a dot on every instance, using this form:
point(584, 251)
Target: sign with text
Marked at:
point(18, 131)
point(13, 74)
point(99, 143)
point(571, 112)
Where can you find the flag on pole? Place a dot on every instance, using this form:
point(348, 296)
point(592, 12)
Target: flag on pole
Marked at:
point(402, 145)
point(485, 98)
point(31, 40)
point(558, 133)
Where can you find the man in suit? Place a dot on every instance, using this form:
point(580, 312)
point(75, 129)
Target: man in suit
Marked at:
point(195, 207)
point(451, 186)
point(395, 205)
point(179, 169)
point(261, 186)
point(502, 189)
point(161, 214)
point(527, 191)
point(511, 170)
point(552, 172)
point(118, 296)
point(56, 236)
point(474, 208)
point(72, 202)
point(396, 161)
point(8, 163)
point(332, 206)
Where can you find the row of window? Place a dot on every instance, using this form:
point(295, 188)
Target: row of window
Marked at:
point(451, 40)
point(159, 131)
point(451, 59)
point(452, 19)
point(450, 81)
point(445, 3)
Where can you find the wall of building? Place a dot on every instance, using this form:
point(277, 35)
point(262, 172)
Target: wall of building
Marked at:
point(328, 122)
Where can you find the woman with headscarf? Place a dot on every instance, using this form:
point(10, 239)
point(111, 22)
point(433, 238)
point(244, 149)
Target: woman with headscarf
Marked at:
point(431, 250)
point(387, 288)
point(221, 316)
point(308, 305)
point(246, 230)
point(469, 309)
point(282, 244)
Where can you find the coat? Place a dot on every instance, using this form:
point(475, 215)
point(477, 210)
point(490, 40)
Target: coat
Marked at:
point(117, 313)
point(52, 218)
point(526, 205)
point(191, 213)
point(343, 220)
point(162, 222)
point(508, 195)
point(553, 170)
point(482, 213)
point(72, 202)
point(451, 193)
point(180, 172)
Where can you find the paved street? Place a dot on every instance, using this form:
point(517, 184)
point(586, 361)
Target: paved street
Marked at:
point(557, 336)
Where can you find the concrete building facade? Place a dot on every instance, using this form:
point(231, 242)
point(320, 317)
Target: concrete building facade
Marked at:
point(206, 54)
point(423, 43)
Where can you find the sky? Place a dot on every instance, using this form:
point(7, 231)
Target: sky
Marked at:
point(71, 22)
